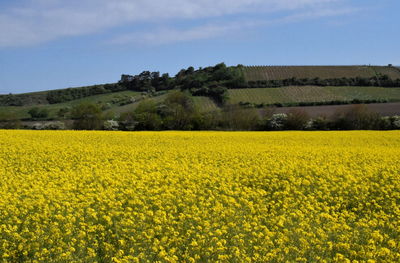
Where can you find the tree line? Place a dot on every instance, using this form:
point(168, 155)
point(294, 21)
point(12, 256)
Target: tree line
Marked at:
point(377, 81)
point(178, 112)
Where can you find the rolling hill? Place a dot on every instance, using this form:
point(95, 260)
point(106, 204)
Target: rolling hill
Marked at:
point(255, 73)
point(118, 99)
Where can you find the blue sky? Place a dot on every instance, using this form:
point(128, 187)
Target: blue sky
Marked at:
point(53, 44)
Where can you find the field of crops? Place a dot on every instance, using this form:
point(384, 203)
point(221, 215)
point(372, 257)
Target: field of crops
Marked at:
point(199, 197)
point(392, 72)
point(323, 72)
point(312, 94)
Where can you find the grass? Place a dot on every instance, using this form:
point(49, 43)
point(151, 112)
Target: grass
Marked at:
point(311, 94)
point(130, 107)
point(111, 98)
point(204, 104)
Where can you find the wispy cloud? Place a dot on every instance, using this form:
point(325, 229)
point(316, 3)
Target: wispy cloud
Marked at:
point(36, 21)
point(167, 35)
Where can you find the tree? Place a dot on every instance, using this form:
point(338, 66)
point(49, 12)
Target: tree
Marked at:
point(277, 122)
point(62, 113)
point(146, 116)
point(87, 116)
point(9, 120)
point(235, 117)
point(356, 117)
point(177, 111)
point(296, 119)
point(38, 113)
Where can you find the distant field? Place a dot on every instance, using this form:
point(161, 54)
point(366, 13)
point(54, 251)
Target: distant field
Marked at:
point(392, 72)
point(111, 98)
point(311, 94)
point(323, 72)
point(384, 109)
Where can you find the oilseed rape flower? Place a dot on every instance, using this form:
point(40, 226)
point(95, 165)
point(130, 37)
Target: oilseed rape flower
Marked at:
point(80, 196)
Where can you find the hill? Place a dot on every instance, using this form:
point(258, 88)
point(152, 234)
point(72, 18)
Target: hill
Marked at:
point(213, 87)
point(256, 73)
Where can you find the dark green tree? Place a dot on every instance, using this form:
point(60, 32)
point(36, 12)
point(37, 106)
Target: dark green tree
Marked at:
point(38, 113)
point(87, 116)
point(177, 111)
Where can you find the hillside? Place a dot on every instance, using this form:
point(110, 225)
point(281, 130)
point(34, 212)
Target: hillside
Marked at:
point(212, 87)
point(256, 73)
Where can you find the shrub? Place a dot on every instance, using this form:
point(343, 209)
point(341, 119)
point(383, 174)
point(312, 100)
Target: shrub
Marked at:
point(58, 125)
point(296, 119)
point(63, 112)
point(234, 117)
point(87, 116)
point(111, 125)
point(9, 121)
point(320, 123)
point(277, 122)
point(396, 122)
point(357, 117)
point(38, 113)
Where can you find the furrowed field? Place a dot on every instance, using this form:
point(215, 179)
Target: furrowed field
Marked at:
point(199, 196)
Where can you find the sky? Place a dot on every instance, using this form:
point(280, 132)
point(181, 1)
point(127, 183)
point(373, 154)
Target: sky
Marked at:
point(55, 44)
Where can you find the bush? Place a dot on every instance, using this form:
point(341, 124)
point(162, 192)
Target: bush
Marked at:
point(9, 121)
point(277, 122)
point(296, 120)
point(357, 117)
point(127, 121)
point(111, 125)
point(87, 116)
point(63, 112)
point(396, 122)
point(320, 124)
point(58, 125)
point(38, 113)
point(144, 117)
point(390, 123)
point(177, 111)
point(234, 117)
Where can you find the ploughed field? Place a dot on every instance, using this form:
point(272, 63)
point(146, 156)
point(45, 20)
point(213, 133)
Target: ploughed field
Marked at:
point(322, 72)
point(70, 196)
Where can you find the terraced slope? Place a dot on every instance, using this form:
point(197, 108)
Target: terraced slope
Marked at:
point(295, 94)
point(254, 73)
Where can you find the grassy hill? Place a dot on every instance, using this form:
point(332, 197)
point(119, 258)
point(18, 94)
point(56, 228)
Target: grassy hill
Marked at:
point(109, 101)
point(201, 83)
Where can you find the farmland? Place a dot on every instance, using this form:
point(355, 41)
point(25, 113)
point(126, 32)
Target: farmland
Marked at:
point(384, 109)
point(210, 90)
point(322, 72)
point(312, 94)
point(111, 100)
point(199, 197)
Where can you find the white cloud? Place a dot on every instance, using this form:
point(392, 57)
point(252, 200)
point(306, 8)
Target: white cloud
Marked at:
point(167, 35)
point(37, 21)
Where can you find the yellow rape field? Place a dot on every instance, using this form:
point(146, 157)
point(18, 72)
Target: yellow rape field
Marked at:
point(78, 196)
